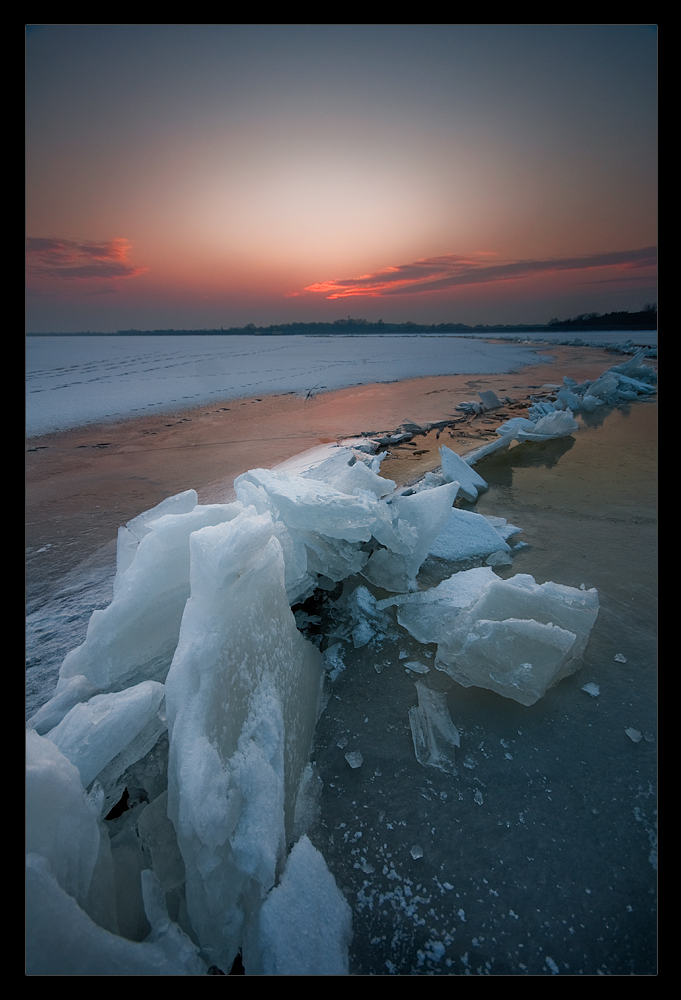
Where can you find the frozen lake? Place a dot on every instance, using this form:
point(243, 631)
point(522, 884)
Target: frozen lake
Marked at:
point(73, 381)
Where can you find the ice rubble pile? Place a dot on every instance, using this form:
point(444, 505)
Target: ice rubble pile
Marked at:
point(196, 694)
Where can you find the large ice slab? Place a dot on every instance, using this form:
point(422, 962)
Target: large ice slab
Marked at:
point(243, 695)
point(515, 637)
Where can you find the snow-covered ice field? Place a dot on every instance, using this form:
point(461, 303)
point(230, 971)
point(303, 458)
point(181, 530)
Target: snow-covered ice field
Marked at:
point(71, 381)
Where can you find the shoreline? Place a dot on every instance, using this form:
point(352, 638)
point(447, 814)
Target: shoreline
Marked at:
point(82, 484)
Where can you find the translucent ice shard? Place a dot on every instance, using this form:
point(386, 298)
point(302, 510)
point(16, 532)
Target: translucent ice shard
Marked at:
point(433, 732)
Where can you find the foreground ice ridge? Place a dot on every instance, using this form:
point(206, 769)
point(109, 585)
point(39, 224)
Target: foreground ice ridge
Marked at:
point(196, 696)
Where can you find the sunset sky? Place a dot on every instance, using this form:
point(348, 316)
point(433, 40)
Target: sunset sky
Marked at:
point(183, 176)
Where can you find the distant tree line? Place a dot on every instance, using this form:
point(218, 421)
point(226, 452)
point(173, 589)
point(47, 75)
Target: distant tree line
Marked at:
point(644, 320)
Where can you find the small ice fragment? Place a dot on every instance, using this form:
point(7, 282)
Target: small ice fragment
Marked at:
point(418, 668)
point(478, 797)
point(343, 742)
point(416, 851)
point(620, 659)
point(634, 735)
point(592, 689)
point(552, 966)
point(354, 759)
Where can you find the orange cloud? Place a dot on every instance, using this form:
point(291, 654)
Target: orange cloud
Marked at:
point(58, 258)
point(451, 270)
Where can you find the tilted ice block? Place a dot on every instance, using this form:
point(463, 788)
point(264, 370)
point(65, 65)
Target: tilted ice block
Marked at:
point(416, 521)
point(456, 469)
point(135, 637)
point(433, 732)
point(501, 525)
point(639, 387)
point(305, 922)
point(242, 695)
point(590, 403)
point(122, 726)
point(567, 400)
point(605, 387)
point(467, 536)
point(490, 400)
point(539, 409)
point(132, 533)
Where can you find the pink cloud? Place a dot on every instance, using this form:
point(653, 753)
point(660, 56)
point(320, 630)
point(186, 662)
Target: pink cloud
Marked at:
point(58, 258)
point(452, 270)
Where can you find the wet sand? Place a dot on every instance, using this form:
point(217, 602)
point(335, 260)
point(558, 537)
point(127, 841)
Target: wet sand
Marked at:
point(82, 484)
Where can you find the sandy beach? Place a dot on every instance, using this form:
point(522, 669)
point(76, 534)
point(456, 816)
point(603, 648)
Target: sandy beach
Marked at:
point(82, 484)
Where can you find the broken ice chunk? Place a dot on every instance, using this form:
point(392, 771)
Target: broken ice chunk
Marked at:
point(478, 797)
point(619, 658)
point(592, 689)
point(416, 667)
point(415, 521)
point(634, 735)
point(429, 613)
point(467, 535)
point(433, 732)
point(416, 852)
point(457, 469)
point(515, 637)
point(354, 759)
point(333, 661)
point(111, 729)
